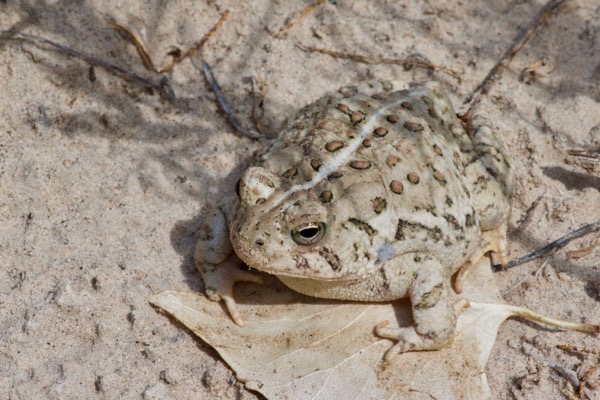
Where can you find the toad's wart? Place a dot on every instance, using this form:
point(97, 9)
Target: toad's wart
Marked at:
point(369, 194)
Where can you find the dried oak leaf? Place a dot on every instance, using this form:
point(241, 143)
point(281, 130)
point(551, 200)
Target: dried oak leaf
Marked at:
point(295, 347)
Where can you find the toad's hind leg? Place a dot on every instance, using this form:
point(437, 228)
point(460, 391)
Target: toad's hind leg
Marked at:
point(490, 178)
point(489, 174)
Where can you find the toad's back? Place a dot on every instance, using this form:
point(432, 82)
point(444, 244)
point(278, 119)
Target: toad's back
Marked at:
point(388, 171)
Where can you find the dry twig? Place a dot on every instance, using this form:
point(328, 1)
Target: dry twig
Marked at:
point(523, 279)
point(584, 252)
point(496, 72)
point(574, 349)
point(139, 46)
point(593, 155)
point(588, 375)
point(409, 62)
point(145, 56)
point(225, 106)
point(550, 247)
point(161, 87)
point(290, 21)
point(198, 45)
point(569, 375)
point(258, 104)
point(525, 221)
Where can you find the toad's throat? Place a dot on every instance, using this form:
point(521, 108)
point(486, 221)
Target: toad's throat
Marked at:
point(289, 270)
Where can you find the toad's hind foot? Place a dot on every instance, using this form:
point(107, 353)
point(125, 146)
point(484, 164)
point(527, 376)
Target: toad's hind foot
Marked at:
point(493, 241)
point(410, 340)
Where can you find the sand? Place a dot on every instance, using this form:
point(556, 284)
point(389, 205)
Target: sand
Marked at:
point(103, 185)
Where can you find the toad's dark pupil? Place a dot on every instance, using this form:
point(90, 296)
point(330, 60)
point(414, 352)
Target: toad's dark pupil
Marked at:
point(309, 233)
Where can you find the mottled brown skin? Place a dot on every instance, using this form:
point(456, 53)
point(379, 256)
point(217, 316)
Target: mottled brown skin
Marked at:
point(368, 195)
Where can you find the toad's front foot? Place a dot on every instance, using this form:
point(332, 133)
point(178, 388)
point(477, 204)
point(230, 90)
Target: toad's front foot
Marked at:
point(220, 279)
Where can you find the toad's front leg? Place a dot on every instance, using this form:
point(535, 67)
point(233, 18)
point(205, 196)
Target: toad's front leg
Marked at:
point(218, 264)
point(432, 307)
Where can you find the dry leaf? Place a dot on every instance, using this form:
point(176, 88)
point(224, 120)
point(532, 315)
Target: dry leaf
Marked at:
point(295, 347)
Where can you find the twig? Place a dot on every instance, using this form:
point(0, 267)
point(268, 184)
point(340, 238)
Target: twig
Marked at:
point(408, 62)
point(574, 349)
point(523, 279)
point(594, 155)
point(567, 374)
point(143, 53)
point(162, 87)
point(550, 247)
point(258, 103)
point(588, 375)
point(529, 213)
point(290, 21)
point(225, 106)
point(198, 45)
point(496, 73)
point(584, 252)
point(139, 46)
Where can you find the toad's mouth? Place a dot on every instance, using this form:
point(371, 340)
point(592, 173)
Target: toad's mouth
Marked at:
point(306, 267)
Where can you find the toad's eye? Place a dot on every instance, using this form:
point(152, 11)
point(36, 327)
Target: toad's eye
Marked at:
point(308, 234)
point(237, 187)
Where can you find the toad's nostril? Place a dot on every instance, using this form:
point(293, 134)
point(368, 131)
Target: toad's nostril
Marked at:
point(259, 242)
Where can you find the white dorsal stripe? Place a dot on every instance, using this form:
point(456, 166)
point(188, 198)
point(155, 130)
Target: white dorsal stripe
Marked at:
point(346, 153)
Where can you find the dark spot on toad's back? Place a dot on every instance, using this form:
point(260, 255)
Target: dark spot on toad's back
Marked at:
point(335, 175)
point(363, 226)
point(396, 187)
point(326, 196)
point(392, 160)
point(332, 259)
point(406, 105)
point(315, 164)
point(413, 178)
point(452, 220)
point(414, 126)
point(360, 164)
point(343, 108)
point(357, 117)
point(380, 132)
point(379, 204)
point(469, 220)
point(290, 173)
point(334, 145)
point(438, 176)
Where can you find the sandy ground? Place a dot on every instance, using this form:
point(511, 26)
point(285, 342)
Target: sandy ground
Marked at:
point(103, 185)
